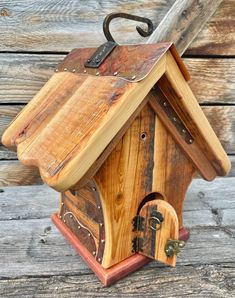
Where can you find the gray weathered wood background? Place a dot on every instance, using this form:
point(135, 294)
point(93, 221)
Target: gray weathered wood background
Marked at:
point(35, 261)
point(36, 35)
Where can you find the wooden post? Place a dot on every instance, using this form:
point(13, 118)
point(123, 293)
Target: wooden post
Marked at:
point(183, 22)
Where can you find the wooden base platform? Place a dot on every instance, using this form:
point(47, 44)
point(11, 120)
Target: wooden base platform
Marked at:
point(106, 276)
point(116, 272)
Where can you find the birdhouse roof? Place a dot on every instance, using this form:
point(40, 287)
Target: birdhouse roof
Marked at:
point(72, 120)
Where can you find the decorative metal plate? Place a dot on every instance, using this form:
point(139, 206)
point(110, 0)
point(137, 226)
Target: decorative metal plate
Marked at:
point(174, 118)
point(132, 62)
point(100, 54)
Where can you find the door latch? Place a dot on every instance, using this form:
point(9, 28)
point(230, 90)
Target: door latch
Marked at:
point(173, 247)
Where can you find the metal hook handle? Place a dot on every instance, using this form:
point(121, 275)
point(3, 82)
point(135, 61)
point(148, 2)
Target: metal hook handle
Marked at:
point(128, 16)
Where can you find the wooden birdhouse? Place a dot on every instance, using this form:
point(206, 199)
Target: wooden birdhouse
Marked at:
point(118, 132)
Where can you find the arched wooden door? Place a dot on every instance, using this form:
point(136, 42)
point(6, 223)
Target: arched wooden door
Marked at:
point(158, 232)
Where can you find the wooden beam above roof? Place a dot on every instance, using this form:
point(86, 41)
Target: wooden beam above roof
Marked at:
point(183, 22)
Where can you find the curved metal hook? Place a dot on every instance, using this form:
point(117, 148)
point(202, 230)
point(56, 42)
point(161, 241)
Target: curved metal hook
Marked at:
point(128, 16)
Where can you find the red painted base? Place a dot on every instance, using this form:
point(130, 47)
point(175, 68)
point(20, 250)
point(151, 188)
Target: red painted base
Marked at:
point(116, 272)
point(184, 234)
point(107, 276)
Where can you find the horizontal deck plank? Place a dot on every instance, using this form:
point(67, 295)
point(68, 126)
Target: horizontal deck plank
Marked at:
point(193, 281)
point(40, 201)
point(222, 120)
point(212, 80)
point(23, 75)
point(6, 154)
point(12, 172)
point(217, 37)
point(30, 245)
point(59, 26)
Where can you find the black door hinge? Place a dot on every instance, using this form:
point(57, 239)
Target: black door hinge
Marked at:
point(138, 223)
point(137, 244)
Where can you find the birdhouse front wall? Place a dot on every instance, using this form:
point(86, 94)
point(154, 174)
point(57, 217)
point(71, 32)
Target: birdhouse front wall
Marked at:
point(146, 163)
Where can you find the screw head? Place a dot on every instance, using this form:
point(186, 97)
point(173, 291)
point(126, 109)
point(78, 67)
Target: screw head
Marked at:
point(181, 244)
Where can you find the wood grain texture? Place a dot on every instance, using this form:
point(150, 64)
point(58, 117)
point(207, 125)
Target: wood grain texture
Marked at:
point(201, 197)
point(7, 114)
point(163, 100)
point(102, 112)
point(146, 160)
point(23, 75)
point(106, 276)
point(197, 281)
point(212, 80)
point(11, 173)
point(223, 123)
point(64, 25)
point(154, 241)
point(221, 118)
point(36, 260)
point(6, 154)
point(81, 212)
point(123, 181)
point(217, 37)
point(189, 111)
point(169, 161)
point(183, 22)
point(15, 173)
point(25, 27)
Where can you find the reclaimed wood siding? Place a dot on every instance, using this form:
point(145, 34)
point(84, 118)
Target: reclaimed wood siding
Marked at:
point(35, 36)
